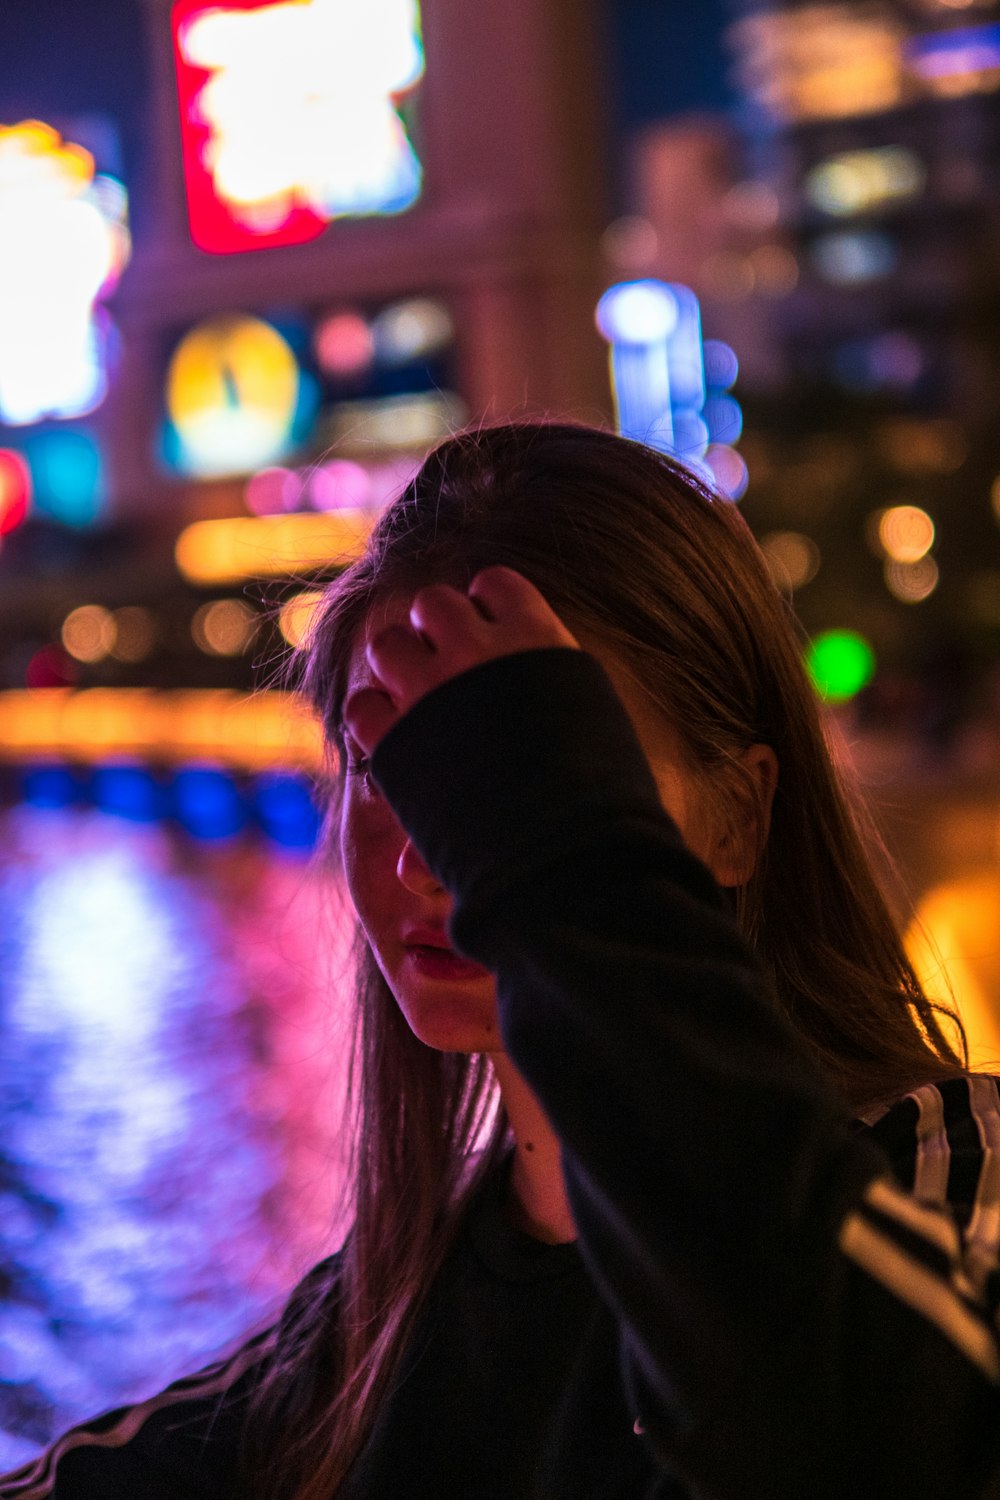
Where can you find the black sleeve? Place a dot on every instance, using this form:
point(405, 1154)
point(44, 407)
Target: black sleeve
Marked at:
point(180, 1444)
point(794, 1324)
point(184, 1442)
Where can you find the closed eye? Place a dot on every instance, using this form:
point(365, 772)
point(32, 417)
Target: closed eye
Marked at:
point(360, 766)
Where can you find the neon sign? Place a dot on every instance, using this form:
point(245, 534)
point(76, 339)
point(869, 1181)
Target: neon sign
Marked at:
point(290, 115)
point(232, 391)
point(669, 384)
point(63, 244)
point(15, 490)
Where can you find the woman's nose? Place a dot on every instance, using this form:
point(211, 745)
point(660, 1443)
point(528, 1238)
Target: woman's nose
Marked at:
point(414, 874)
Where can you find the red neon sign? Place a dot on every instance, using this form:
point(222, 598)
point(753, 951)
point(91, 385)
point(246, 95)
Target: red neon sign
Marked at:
point(15, 490)
point(217, 224)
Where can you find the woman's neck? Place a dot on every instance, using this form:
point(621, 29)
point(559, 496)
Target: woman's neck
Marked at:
point(537, 1200)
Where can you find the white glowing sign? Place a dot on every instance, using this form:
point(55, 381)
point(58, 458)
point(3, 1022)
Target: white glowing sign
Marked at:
point(668, 384)
point(289, 115)
point(63, 243)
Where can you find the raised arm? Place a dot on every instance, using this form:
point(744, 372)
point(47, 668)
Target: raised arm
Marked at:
point(793, 1323)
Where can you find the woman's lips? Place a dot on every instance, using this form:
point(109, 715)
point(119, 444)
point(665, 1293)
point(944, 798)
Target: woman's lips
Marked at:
point(442, 963)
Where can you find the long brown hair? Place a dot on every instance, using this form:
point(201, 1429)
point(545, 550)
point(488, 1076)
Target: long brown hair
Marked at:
point(634, 552)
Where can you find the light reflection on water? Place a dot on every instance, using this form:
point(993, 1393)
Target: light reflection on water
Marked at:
point(170, 1054)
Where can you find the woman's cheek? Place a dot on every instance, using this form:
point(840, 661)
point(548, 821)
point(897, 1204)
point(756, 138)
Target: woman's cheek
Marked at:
point(371, 841)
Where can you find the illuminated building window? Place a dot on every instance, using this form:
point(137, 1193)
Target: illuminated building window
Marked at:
point(823, 62)
point(63, 245)
point(294, 114)
point(857, 182)
point(852, 257)
point(965, 60)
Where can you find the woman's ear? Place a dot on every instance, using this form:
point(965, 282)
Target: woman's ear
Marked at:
point(737, 849)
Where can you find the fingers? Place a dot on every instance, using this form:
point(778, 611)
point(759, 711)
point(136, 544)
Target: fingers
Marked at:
point(448, 632)
point(441, 613)
point(497, 591)
point(457, 632)
point(502, 595)
point(369, 714)
point(397, 655)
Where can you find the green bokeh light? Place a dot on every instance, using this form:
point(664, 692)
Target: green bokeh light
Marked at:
point(840, 663)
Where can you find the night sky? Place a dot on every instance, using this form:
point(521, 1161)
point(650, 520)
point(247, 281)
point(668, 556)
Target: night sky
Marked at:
point(667, 58)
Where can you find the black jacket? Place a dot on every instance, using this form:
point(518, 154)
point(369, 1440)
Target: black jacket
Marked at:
point(767, 1301)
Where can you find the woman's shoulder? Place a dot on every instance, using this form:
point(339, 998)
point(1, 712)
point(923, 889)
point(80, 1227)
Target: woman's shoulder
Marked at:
point(177, 1445)
point(943, 1141)
point(158, 1448)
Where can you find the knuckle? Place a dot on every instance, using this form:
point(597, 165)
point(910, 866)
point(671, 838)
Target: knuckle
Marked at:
point(434, 596)
point(499, 574)
point(385, 634)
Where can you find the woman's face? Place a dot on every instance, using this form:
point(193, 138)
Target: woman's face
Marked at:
point(448, 1002)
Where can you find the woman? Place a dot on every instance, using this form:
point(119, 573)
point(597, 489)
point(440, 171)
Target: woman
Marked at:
point(668, 1180)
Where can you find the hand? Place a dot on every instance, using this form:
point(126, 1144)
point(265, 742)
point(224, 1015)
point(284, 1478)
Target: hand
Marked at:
point(449, 632)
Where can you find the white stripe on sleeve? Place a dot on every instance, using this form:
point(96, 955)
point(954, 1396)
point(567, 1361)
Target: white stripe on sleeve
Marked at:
point(917, 1286)
point(37, 1479)
point(930, 1183)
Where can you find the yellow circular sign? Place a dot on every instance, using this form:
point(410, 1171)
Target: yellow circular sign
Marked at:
point(231, 393)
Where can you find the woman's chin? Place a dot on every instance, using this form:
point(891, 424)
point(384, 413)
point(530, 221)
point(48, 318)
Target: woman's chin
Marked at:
point(450, 1019)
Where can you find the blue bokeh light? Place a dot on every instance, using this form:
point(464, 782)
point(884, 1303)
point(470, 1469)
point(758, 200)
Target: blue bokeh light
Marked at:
point(128, 791)
point(207, 803)
point(286, 810)
point(67, 473)
point(50, 786)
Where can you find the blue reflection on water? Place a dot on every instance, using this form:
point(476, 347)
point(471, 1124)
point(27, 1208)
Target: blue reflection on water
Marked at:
point(138, 1170)
point(286, 810)
point(207, 803)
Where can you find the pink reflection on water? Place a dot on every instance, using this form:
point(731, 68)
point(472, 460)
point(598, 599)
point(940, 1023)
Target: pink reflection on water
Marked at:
point(171, 1069)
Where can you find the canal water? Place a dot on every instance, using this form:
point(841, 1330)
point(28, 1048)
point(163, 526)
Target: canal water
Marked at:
point(172, 1042)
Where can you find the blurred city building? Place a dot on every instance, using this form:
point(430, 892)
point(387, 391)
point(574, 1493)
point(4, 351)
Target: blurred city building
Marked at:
point(842, 230)
point(360, 231)
point(232, 319)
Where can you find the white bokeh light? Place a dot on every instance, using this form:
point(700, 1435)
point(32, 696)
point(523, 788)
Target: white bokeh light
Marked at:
point(62, 242)
point(301, 107)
